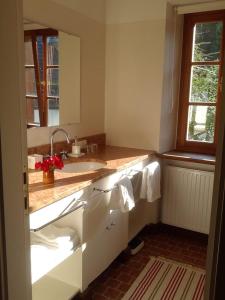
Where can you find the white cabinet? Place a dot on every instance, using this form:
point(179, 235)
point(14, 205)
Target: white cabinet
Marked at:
point(105, 232)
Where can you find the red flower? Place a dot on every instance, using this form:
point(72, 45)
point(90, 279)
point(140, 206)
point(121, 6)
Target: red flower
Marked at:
point(37, 165)
point(50, 164)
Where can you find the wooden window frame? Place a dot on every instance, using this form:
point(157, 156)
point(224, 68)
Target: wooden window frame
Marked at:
point(189, 22)
point(41, 86)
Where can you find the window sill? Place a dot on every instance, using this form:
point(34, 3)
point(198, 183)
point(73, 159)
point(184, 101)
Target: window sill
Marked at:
point(191, 157)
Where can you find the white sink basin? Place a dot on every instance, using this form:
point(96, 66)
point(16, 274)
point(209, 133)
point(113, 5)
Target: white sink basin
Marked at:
point(84, 166)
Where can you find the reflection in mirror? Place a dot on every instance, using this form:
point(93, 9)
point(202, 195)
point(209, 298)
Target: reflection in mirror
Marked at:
point(42, 80)
point(52, 77)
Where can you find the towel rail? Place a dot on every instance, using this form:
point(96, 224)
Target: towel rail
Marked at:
point(58, 218)
point(129, 175)
point(105, 191)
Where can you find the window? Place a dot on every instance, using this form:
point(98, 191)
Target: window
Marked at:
point(42, 77)
point(201, 78)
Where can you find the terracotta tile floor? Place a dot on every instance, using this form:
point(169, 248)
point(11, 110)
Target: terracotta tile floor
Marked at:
point(166, 241)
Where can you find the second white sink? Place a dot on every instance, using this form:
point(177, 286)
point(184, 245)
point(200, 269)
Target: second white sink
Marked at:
point(84, 166)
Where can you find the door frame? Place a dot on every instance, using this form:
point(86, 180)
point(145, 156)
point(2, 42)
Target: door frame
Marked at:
point(14, 154)
point(215, 275)
point(13, 144)
point(3, 267)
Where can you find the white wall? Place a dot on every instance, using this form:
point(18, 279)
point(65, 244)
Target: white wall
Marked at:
point(91, 31)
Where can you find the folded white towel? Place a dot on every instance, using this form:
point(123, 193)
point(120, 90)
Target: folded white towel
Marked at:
point(51, 236)
point(151, 180)
point(44, 259)
point(123, 198)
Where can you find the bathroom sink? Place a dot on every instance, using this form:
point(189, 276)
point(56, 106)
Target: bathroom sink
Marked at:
point(84, 166)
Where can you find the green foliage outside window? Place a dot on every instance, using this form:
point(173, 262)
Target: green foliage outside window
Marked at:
point(205, 79)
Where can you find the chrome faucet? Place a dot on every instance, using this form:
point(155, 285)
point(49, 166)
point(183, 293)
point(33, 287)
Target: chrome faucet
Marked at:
point(52, 138)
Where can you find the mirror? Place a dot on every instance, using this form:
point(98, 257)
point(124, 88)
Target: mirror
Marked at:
point(52, 76)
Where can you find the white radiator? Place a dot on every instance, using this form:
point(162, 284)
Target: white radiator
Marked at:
point(187, 198)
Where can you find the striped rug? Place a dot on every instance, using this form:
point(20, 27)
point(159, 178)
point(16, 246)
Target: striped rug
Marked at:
point(164, 279)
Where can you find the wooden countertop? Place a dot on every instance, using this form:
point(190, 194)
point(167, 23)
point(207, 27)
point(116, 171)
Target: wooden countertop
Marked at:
point(116, 158)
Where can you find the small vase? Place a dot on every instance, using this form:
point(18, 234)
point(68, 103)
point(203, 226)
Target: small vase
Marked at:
point(48, 177)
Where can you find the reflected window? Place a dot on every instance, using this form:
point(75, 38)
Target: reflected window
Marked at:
point(42, 77)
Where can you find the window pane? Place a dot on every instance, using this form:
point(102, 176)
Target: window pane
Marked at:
point(204, 83)
point(40, 56)
point(52, 51)
point(201, 123)
point(32, 111)
point(53, 112)
point(53, 82)
point(30, 82)
point(207, 40)
point(29, 59)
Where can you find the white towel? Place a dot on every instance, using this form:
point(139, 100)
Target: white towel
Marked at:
point(150, 187)
point(123, 197)
point(136, 181)
point(51, 236)
point(44, 259)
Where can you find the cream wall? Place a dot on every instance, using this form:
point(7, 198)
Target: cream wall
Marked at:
point(94, 9)
point(171, 79)
point(91, 31)
point(135, 42)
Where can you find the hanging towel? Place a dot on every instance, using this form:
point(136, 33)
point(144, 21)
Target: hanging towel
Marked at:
point(64, 238)
point(150, 187)
point(136, 181)
point(122, 197)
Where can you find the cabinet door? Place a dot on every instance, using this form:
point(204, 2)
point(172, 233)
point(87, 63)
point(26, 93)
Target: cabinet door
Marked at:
point(95, 239)
point(117, 234)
